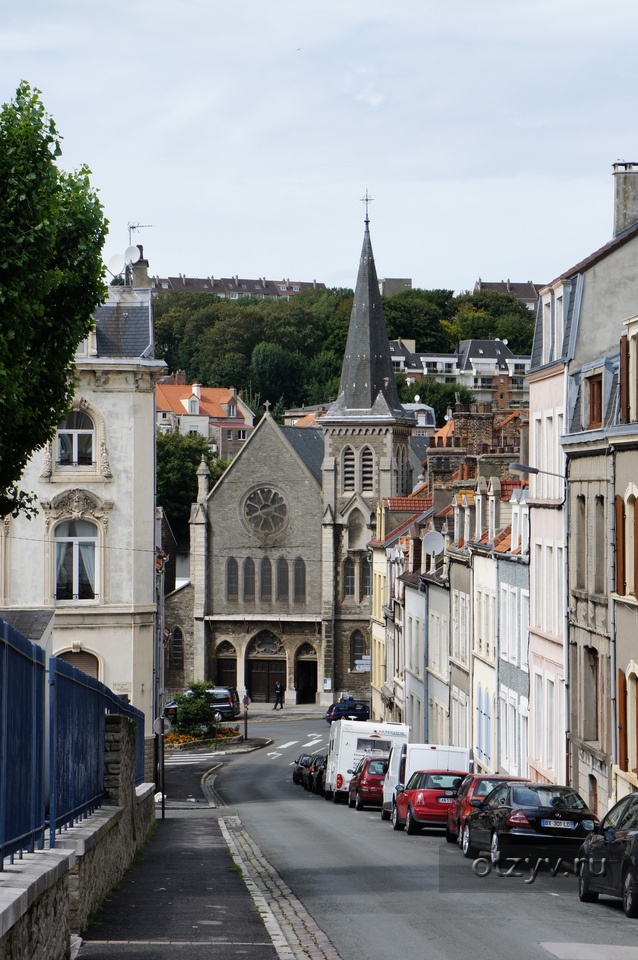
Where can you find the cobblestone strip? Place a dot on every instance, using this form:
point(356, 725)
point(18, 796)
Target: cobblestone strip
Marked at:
point(304, 939)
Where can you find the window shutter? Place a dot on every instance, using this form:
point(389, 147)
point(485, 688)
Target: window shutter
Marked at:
point(624, 380)
point(620, 546)
point(621, 696)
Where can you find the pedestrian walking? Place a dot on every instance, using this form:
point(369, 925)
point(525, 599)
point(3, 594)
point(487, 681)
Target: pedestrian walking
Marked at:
point(279, 695)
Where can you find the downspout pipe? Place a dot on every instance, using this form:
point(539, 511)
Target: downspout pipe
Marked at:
point(612, 609)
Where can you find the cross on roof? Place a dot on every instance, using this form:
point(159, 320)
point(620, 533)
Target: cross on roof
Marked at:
point(367, 200)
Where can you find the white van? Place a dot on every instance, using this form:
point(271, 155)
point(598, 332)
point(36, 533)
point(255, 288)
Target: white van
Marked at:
point(352, 739)
point(405, 758)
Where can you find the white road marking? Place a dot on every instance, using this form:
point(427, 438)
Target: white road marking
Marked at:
point(590, 951)
point(312, 743)
point(273, 754)
point(291, 743)
point(179, 760)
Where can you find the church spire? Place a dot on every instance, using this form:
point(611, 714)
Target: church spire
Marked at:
point(368, 390)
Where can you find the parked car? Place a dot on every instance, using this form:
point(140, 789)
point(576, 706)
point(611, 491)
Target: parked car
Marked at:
point(319, 774)
point(308, 772)
point(424, 800)
point(475, 785)
point(349, 708)
point(225, 700)
point(299, 765)
point(519, 819)
point(609, 857)
point(366, 783)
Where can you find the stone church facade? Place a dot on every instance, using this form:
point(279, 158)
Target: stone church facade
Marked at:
point(280, 569)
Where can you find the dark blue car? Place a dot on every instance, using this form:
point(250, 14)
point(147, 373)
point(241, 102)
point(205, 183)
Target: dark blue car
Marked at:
point(350, 709)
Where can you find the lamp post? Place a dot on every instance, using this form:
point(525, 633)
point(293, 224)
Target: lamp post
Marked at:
point(529, 469)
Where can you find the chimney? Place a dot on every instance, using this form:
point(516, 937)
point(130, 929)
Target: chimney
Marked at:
point(625, 195)
point(140, 270)
point(197, 390)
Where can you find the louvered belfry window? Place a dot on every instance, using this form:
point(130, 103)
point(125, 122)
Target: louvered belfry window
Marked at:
point(348, 469)
point(367, 469)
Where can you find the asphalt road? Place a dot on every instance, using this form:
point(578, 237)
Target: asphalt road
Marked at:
point(378, 893)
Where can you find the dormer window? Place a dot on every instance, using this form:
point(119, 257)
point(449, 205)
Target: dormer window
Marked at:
point(595, 391)
point(75, 443)
point(232, 410)
point(193, 406)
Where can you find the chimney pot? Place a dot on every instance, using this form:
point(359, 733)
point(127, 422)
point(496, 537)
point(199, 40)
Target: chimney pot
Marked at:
point(625, 195)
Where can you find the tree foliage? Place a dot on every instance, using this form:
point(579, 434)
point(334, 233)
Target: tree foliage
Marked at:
point(178, 459)
point(197, 713)
point(290, 351)
point(52, 230)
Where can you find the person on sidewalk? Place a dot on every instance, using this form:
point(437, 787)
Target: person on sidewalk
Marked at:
point(279, 695)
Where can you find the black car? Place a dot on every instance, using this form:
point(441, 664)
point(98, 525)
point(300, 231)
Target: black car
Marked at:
point(298, 767)
point(225, 701)
point(319, 773)
point(521, 819)
point(609, 857)
point(307, 774)
point(349, 709)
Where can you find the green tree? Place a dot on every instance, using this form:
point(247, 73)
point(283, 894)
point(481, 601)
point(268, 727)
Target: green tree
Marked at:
point(52, 230)
point(178, 459)
point(487, 315)
point(276, 373)
point(417, 315)
point(196, 711)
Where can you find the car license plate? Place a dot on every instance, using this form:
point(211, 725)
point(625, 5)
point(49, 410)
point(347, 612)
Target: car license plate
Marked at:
point(381, 781)
point(564, 824)
point(446, 799)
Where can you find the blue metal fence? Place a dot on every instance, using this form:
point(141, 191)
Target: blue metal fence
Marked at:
point(22, 738)
point(69, 776)
point(77, 709)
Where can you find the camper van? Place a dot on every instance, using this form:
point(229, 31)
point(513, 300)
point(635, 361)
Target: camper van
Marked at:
point(350, 740)
point(405, 758)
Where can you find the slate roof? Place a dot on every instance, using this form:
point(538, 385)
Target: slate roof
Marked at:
point(32, 624)
point(419, 447)
point(308, 445)
point(368, 388)
point(123, 328)
point(479, 350)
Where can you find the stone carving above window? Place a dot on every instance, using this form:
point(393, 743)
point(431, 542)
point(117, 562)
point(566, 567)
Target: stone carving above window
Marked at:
point(306, 652)
point(78, 505)
point(267, 645)
point(225, 649)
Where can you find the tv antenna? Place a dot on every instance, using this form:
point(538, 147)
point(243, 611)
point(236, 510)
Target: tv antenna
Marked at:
point(136, 226)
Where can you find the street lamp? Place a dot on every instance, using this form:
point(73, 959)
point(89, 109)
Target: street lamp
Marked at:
point(527, 468)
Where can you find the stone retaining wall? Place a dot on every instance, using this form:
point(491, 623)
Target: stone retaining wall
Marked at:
point(48, 895)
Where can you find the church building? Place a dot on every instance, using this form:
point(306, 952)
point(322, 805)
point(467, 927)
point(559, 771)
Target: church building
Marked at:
point(281, 574)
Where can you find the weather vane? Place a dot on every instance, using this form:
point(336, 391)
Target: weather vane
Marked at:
point(367, 200)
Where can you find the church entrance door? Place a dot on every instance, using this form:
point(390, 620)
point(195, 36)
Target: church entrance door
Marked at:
point(265, 665)
point(306, 673)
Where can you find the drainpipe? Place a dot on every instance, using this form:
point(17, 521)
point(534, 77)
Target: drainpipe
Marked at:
point(612, 612)
point(566, 637)
point(426, 648)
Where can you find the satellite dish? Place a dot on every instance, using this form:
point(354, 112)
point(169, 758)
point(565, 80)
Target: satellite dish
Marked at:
point(505, 342)
point(433, 543)
point(132, 254)
point(116, 264)
point(417, 399)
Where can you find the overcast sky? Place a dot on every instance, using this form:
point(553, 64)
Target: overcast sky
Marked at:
point(245, 132)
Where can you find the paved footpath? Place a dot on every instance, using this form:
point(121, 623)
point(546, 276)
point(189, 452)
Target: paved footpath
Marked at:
point(203, 889)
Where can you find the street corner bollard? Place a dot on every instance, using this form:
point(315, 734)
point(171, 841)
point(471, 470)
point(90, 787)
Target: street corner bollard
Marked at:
point(246, 702)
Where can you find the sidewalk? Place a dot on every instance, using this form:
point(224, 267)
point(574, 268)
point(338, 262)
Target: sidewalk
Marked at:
point(202, 888)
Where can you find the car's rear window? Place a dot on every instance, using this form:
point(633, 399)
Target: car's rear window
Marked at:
point(378, 766)
point(441, 781)
point(484, 786)
point(542, 796)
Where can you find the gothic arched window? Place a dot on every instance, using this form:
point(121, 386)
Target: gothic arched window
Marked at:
point(232, 579)
point(282, 579)
point(249, 579)
point(357, 648)
point(348, 578)
point(265, 579)
point(299, 581)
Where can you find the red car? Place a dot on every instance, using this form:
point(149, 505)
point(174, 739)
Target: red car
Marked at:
point(475, 785)
point(366, 783)
point(424, 800)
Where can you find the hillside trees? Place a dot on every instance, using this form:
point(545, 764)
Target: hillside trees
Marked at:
point(290, 351)
point(52, 230)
